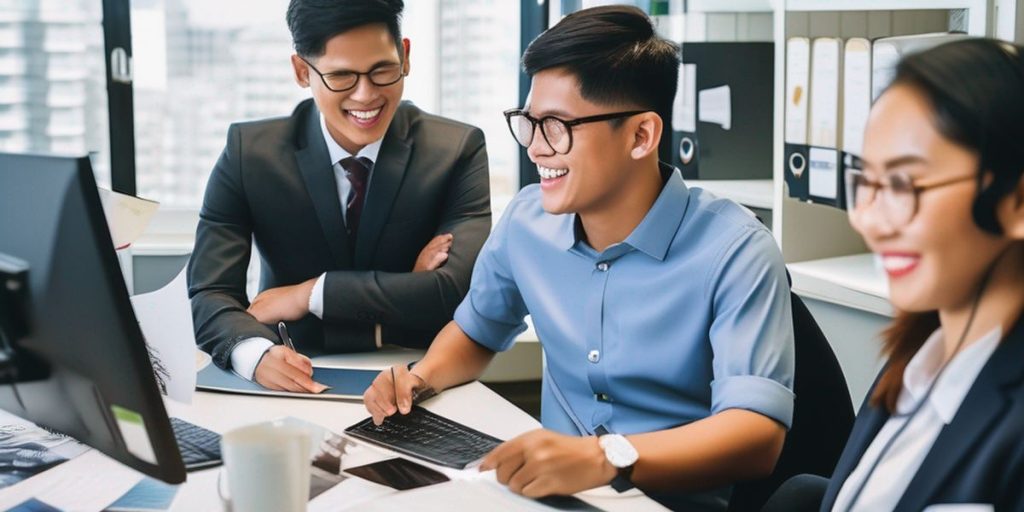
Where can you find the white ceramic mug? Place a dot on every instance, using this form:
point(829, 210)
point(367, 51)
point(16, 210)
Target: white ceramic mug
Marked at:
point(267, 467)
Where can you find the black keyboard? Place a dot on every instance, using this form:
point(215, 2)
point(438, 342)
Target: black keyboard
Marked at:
point(427, 436)
point(200, 448)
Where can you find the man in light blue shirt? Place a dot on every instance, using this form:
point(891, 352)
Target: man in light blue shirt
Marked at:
point(664, 312)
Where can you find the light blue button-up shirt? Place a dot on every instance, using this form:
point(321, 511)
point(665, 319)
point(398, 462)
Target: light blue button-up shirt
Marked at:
point(688, 317)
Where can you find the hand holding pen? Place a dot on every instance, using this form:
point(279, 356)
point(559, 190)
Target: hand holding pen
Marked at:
point(282, 368)
point(394, 391)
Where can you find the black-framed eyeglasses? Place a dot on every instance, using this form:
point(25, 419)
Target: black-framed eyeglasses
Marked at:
point(341, 81)
point(556, 132)
point(897, 194)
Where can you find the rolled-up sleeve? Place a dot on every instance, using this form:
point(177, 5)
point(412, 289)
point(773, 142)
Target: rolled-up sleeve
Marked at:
point(752, 330)
point(493, 312)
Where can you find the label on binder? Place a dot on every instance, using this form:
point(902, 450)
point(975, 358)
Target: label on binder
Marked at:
point(824, 173)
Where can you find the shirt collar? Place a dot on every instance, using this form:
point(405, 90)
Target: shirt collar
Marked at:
point(956, 380)
point(654, 235)
point(339, 153)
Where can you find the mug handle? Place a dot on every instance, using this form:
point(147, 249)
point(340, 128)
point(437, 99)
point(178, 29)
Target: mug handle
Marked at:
point(224, 495)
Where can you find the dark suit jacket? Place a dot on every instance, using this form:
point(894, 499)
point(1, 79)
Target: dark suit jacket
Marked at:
point(274, 184)
point(978, 457)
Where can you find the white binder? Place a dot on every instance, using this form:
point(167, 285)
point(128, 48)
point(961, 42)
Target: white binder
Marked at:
point(798, 79)
point(825, 119)
point(856, 93)
point(888, 51)
point(798, 92)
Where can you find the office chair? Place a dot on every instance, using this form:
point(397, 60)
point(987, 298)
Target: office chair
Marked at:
point(822, 415)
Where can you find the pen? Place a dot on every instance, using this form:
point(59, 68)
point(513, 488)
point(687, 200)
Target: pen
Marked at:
point(285, 339)
point(394, 384)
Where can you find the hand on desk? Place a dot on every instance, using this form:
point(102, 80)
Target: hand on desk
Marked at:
point(541, 463)
point(284, 303)
point(283, 369)
point(434, 254)
point(389, 395)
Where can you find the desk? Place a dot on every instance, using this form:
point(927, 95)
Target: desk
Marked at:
point(472, 404)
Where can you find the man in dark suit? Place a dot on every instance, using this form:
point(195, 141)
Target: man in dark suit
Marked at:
point(367, 212)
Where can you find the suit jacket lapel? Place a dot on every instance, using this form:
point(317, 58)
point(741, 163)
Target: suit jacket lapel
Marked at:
point(315, 166)
point(869, 421)
point(985, 403)
point(388, 173)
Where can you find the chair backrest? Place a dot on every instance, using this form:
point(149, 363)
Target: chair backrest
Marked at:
point(822, 415)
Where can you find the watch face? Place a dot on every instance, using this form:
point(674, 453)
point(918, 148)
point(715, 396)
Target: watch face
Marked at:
point(618, 450)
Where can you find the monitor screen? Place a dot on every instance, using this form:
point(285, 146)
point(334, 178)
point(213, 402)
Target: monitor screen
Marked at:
point(99, 386)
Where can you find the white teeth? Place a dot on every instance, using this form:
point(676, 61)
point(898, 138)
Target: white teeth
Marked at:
point(550, 174)
point(365, 114)
point(897, 263)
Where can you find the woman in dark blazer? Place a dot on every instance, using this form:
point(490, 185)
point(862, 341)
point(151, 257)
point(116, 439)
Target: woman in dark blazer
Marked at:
point(940, 201)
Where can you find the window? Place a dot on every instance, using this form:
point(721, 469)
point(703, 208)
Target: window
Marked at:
point(201, 65)
point(53, 95)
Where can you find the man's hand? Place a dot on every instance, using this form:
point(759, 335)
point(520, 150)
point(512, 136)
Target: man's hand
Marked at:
point(283, 369)
point(380, 398)
point(284, 303)
point(541, 463)
point(434, 254)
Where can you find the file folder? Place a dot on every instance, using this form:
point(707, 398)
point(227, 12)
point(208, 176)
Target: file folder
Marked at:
point(887, 52)
point(856, 104)
point(729, 86)
point(684, 122)
point(798, 78)
point(824, 160)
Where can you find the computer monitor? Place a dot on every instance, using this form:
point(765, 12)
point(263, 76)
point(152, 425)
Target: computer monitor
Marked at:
point(80, 364)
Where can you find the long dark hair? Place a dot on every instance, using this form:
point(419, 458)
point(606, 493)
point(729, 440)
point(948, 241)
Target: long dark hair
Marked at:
point(976, 91)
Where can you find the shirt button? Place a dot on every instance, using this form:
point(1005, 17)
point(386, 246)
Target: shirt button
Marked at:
point(603, 397)
point(603, 266)
point(594, 356)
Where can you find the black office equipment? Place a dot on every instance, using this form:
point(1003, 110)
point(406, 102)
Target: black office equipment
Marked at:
point(98, 384)
point(744, 149)
point(398, 473)
point(199, 447)
point(427, 436)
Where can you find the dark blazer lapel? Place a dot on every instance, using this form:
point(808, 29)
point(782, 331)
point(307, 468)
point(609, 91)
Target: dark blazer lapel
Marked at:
point(869, 421)
point(388, 173)
point(985, 403)
point(315, 166)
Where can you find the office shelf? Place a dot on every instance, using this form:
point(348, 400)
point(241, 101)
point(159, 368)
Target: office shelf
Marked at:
point(851, 281)
point(881, 5)
point(737, 6)
point(825, 256)
point(754, 193)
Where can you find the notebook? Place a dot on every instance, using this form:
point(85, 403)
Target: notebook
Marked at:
point(344, 383)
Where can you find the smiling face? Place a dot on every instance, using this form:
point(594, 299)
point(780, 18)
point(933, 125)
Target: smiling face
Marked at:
point(935, 260)
point(361, 115)
point(596, 172)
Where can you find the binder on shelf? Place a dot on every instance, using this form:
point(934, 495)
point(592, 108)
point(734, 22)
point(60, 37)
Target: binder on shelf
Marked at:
point(824, 137)
point(856, 105)
point(798, 78)
point(887, 52)
point(684, 122)
point(723, 111)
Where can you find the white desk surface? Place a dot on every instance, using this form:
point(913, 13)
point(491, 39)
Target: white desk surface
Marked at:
point(472, 404)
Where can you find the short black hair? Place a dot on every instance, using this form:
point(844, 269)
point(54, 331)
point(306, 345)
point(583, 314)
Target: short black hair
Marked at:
point(615, 55)
point(974, 87)
point(313, 22)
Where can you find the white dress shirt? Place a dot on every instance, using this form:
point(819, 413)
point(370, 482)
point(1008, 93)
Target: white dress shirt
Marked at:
point(247, 354)
point(893, 474)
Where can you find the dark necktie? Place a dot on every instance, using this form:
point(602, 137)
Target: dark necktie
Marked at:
point(358, 172)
